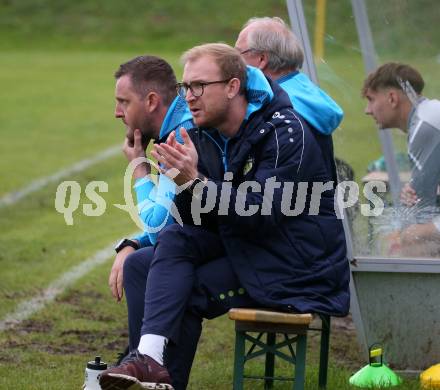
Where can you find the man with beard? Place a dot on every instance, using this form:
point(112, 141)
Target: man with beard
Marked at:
point(147, 104)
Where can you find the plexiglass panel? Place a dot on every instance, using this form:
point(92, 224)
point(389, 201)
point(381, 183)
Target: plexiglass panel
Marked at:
point(404, 32)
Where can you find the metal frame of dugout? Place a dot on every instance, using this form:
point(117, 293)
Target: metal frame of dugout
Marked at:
point(394, 301)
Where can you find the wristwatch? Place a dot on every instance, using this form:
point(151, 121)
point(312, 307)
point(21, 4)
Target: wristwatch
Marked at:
point(199, 179)
point(126, 242)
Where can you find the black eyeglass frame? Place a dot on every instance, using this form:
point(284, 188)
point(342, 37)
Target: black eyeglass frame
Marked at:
point(182, 88)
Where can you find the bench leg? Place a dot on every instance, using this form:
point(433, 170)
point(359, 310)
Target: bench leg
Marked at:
point(239, 360)
point(300, 366)
point(324, 351)
point(270, 362)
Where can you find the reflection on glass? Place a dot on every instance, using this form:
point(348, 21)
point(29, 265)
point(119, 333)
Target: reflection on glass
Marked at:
point(394, 100)
point(403, 32)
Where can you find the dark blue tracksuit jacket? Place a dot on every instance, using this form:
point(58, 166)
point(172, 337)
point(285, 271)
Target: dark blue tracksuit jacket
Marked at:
point(290, 262)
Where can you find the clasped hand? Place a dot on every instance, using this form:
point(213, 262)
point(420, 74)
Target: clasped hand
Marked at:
point(408, 196)
point(175, 157)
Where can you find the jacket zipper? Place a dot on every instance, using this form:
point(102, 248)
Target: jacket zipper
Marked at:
point(222, 151)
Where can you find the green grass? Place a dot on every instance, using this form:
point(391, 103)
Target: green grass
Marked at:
point(46, 245)
point(56, 70)
point(111, 24)
point(51, 349)
point(57, 108)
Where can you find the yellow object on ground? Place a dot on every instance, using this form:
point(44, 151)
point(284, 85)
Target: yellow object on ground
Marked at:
point(430, 378)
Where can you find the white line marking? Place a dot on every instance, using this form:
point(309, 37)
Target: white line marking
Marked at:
point(15, 196)
point(25, 309)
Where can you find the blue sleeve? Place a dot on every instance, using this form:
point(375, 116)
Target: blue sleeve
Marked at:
point(144, 188)
point(143, 239)
point(154, 204)
point(313, 104)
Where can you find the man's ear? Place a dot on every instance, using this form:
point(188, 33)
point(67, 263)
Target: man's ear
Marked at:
point(394, 97)
point(233, 87)
point(152, 101)
point(263, 60)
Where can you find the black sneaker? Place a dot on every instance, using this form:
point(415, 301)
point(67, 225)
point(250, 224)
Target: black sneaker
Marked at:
point(121, 357)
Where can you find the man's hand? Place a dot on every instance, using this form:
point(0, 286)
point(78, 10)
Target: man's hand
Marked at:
point(173, 155)
point(393, 243)
point(135, 151)
point(116, 274)
point(408, 196)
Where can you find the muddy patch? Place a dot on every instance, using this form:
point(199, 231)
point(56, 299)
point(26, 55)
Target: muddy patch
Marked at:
point(73, 341)
point(22, 294)
point(92, 315)
point(77, 297)
point(33, 326)
point(344, 347)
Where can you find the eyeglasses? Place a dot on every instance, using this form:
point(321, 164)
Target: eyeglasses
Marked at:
point(197, 87)
point(246, 51)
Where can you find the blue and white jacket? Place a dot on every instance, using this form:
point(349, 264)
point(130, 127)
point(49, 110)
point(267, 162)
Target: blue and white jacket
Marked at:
point(154, 200)
point(311, 102)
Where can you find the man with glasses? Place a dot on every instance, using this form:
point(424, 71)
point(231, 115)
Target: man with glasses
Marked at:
point(247, 247)
point(268, 44)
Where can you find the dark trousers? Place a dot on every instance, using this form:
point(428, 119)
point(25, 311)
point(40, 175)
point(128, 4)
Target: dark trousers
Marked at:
point(170, 289)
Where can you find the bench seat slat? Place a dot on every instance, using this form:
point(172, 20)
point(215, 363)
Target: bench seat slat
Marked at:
point(269, 316)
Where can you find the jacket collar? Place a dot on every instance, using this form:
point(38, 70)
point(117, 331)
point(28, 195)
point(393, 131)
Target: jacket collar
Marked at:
point(258, 90)
point(178, 115)
point(287, 76)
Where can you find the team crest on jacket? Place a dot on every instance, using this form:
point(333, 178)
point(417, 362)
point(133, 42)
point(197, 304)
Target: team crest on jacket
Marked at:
point(248, 165)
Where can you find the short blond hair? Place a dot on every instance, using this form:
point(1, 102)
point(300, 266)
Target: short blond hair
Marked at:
point(227, 58)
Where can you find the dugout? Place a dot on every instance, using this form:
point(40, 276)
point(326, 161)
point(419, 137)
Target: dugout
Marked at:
point(394, 296)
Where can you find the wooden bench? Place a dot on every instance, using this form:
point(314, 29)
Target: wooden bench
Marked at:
point(293, 328)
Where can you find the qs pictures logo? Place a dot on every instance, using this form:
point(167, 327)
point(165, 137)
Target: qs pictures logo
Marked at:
point(68, 195)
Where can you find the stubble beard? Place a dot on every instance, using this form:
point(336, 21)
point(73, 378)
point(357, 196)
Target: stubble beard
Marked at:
point(216, 120)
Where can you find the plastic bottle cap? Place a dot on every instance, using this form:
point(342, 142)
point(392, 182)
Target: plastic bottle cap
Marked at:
point(97, 364)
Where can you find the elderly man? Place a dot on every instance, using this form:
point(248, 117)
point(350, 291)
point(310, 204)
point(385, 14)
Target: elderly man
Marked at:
point(269, 44)
point(248, 248)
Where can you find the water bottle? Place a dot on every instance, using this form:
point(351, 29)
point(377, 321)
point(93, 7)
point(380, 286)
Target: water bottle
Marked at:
point(93, 371)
